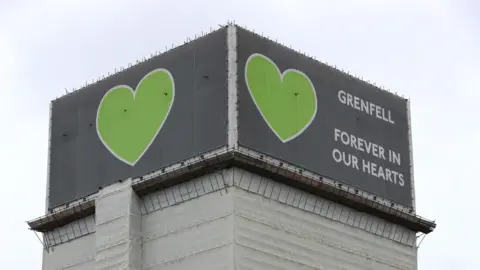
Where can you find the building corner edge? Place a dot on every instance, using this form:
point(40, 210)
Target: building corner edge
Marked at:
point(232, 73)
point(410, 146)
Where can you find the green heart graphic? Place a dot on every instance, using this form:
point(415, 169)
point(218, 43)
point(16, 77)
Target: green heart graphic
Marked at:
point(128, 121)
point(287, 101)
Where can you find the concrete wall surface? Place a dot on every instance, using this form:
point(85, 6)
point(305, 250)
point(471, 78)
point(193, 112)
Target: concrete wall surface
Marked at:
point(232, 219)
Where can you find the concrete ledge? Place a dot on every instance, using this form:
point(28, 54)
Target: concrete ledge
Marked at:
point(63, 216)
point(255, 162)
point(160, 179)
point(183, 171)
point(336, 191)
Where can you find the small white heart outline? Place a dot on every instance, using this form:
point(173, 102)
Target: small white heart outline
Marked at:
point(134, 93)
point(282, 74)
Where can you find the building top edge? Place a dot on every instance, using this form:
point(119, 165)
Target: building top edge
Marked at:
point(258, 163)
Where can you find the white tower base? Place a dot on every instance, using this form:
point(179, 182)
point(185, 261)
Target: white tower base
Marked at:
point(230, 219)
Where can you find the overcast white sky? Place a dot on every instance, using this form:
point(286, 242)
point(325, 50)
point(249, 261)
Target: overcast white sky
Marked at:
point(428, 51)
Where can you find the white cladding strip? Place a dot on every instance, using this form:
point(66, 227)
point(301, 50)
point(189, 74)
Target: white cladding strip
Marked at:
point(118, 228)
point(410, 145)
point(232, 87)
point(47, 190)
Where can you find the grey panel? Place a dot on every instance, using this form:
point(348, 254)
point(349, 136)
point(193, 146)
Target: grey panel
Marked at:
point(197, 122)
point(313, 149)
point(63, 151)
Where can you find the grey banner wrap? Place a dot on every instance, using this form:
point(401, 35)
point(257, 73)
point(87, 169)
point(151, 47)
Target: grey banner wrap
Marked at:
point(197, 121)
point(354, 133)
point(289, 106)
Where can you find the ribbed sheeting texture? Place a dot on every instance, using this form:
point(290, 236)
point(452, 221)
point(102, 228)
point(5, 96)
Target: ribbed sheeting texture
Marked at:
point(232, 220)
point(271, 226)
point(118, 229)
point(71, 231)
point(197, 234)
point(78, 254)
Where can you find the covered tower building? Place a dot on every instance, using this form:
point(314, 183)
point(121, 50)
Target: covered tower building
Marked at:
point(230, 152)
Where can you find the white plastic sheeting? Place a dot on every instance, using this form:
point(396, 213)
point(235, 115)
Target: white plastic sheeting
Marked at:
point(197, 234)
point(269, 225)
point(78, 254)
point(272, 235)
point(180, 193)
point(69, 232)
point(118, 228)
point(219, 181)
point(302, 200)
point(231, 219)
